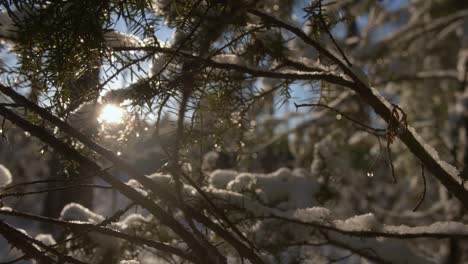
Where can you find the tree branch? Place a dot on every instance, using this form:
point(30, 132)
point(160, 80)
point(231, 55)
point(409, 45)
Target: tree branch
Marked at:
point(126, 190)
point(105, 231)
point(383, 109)
point(133, 173)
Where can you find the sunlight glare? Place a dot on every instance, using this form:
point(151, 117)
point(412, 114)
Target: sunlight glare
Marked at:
point(112, 114)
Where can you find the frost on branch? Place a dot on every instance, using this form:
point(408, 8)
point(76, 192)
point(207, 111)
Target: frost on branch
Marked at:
point(435, 155)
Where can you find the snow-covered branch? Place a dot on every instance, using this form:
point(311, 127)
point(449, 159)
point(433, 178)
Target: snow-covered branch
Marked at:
point(445, 173)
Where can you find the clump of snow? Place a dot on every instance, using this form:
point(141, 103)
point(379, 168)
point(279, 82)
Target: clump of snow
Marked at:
point(77, 212)
point(284, 188)
point(168, 181)
point(161, 179)
point(242, 182)
point(131, 261)
point(220, 178)
point(5, 176)
point(134, 183)
point(6, 208)
point(47, 239)
point(294, 189)
point(132, 221)
point(229, 59)
point(312, 214)
point(22, 231)
point(290, 193)
point(448, 227)
point(137, 186)
point(115, 39)
point(236, 199)
point(359, 223)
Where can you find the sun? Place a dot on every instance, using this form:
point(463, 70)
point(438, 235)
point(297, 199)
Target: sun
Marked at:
point(111, 114)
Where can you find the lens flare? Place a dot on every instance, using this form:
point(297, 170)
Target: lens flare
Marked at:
point(111, 114)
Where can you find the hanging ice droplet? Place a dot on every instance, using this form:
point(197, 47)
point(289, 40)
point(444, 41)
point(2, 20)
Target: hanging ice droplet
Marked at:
point(370, 174)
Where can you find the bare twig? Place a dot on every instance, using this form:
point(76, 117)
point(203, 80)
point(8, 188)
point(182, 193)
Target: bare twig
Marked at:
point(424, 190)
point(63, 188)
point(372, 130)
